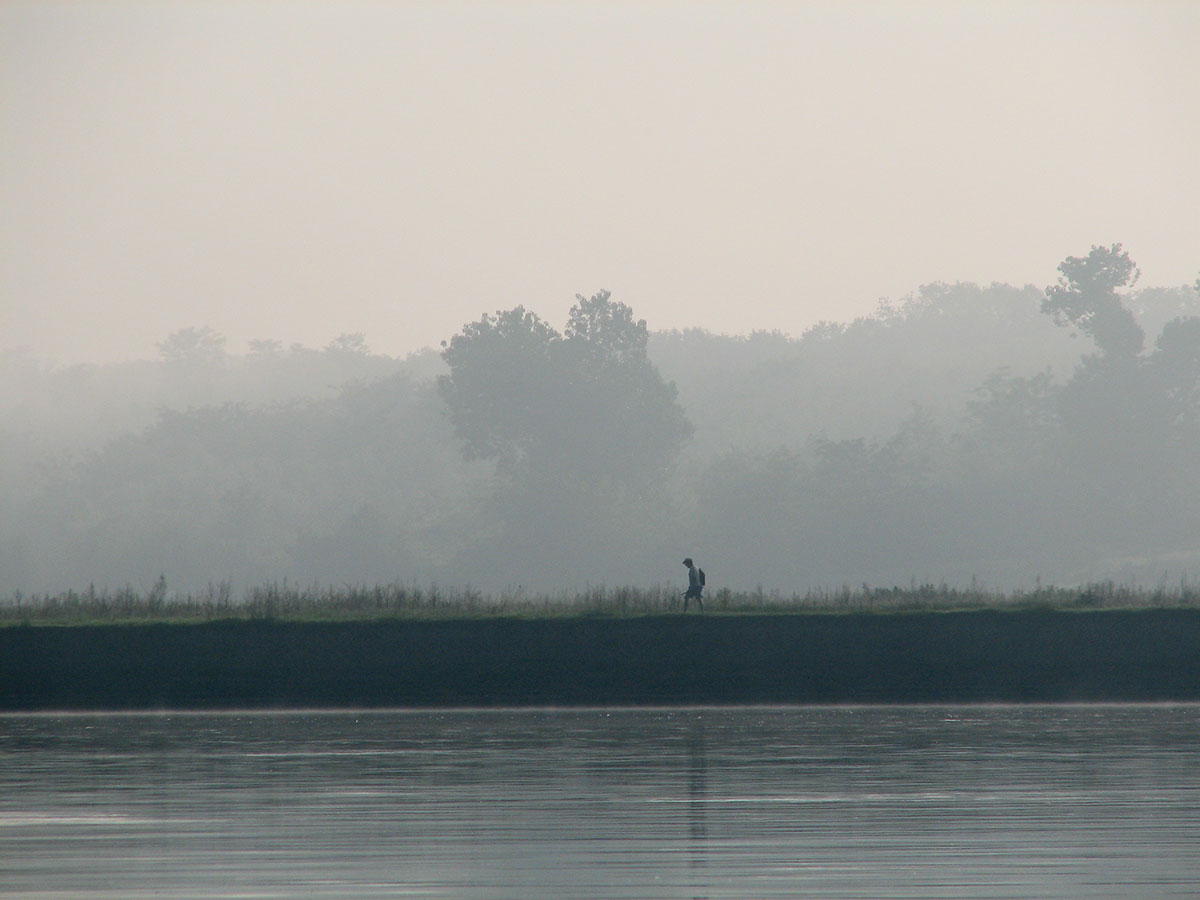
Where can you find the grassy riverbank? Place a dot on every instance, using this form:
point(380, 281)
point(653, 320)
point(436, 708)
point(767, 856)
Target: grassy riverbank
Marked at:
point(284, 602)
point(1016, 655)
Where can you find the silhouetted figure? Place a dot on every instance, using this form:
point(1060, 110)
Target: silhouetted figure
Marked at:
point(695, 585)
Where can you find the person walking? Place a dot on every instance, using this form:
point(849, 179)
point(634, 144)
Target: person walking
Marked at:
point(695, 585)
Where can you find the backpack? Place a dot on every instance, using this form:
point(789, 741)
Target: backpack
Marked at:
point(701, 578)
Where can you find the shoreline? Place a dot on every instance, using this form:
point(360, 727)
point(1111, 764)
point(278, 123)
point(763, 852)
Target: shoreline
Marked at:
point(986, 656)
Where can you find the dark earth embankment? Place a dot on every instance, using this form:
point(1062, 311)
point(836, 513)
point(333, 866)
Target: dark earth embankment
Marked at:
point(984, 656)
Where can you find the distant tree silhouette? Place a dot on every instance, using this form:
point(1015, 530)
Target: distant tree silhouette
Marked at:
point(1175, 369)
point(266, 347)
point(1086, 297)
point(859, 452)
point(496, 391)
point(193, 347)
point(605, 332)
point(584, 406)
point(349, 342)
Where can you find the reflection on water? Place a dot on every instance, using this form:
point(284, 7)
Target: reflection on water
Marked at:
point(909, 802)
point(697, 790)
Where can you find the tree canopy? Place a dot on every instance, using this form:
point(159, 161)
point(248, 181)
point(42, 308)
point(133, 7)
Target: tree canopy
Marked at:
point(956, 434)
point(1086, 297)
point(586, 405)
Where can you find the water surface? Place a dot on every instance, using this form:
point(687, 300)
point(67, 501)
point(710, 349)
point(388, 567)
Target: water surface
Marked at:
point(895, 802)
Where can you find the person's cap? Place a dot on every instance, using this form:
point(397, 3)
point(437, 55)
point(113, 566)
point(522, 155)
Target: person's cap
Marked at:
point(688, 561)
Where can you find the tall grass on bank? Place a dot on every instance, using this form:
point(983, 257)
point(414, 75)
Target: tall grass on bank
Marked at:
point(398, 601)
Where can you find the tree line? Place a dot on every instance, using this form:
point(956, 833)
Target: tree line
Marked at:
point(987, 434)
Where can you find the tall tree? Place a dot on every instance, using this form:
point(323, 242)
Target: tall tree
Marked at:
point(499, 382)
point(1086, 297)
point(585, 407)
point(628, 422)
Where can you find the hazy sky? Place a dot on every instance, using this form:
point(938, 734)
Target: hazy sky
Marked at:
point(299, 170)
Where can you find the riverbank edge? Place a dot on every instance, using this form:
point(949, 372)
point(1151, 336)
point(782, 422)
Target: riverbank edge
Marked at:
point(976, 656)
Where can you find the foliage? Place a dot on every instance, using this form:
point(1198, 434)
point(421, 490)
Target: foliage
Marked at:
point(958, 436)
point(861, 379)
point(193, 347)
point(586, 406)
point(354, 343)
point(500, 370)
point(344, 488)
point(1086, 297)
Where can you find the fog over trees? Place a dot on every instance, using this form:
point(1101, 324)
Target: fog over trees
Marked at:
point(988, 433)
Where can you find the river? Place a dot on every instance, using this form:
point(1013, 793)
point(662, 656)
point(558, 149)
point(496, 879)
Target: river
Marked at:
point(791, 802)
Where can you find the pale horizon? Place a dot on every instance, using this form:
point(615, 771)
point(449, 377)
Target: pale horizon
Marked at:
point(295, 171)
